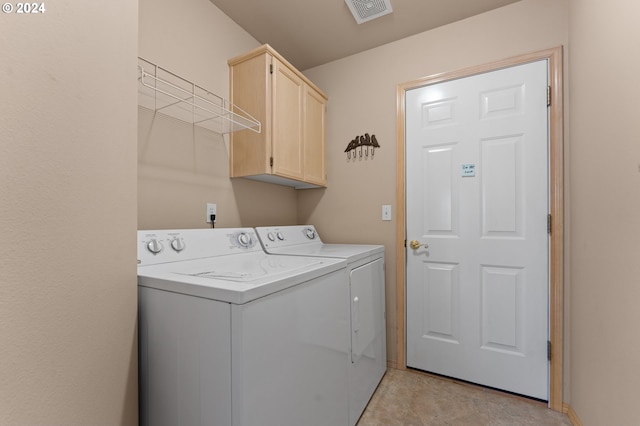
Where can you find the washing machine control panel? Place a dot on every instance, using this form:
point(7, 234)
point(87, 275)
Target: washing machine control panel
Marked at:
point(173, 245)
point(287, 236)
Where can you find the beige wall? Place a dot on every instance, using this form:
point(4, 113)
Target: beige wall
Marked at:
point(68, 215)
point(181, 169)
point(362, 99)
point(605, 211)
point(67, 147)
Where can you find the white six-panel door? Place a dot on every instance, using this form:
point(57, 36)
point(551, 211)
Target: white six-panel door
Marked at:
point(477, 195)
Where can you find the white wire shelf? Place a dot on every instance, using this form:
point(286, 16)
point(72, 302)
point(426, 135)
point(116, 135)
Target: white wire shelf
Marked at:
point(162, 91)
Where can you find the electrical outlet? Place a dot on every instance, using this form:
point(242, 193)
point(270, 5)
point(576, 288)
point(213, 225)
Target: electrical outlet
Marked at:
point(386, 212)
point(211, 209)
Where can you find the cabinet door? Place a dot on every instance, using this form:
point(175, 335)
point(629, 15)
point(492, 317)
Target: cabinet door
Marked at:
point(314, 137)
point(288, 91)
point(251, 91)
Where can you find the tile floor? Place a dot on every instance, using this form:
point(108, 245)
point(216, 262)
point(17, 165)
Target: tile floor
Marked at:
point(409, 398)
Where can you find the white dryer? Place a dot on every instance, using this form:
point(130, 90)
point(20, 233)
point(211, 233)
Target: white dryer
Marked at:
point(365, 267)
point(231, 336)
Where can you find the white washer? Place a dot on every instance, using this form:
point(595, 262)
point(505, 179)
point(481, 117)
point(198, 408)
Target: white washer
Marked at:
point(231, 336)
point(365, 267)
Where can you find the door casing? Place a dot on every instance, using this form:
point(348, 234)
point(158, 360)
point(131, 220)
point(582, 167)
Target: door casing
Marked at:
point(556, 194)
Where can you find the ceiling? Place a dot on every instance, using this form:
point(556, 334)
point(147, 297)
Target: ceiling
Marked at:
point(310, 33)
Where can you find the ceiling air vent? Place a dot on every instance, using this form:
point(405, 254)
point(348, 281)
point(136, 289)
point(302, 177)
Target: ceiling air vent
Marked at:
point(366, 10)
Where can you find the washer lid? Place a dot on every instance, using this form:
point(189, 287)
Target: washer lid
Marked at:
point(236, 278)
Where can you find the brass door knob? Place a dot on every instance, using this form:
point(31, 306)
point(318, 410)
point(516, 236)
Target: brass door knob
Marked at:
point(414, 244)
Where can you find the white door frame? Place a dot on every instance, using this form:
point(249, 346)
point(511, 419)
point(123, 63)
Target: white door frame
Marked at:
point(556, 168)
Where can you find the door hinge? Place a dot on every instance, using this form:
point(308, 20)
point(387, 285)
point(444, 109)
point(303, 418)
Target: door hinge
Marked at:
point(270, 68)
point(548, 350)
point(270, 161)
point(549, 223)
point(405, 243)
point(548, 96)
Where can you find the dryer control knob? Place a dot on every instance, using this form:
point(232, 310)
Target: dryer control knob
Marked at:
point(177, 244)
point(154, 246)
point(310, 233)
point(280, 236)
point(271, 236)
point(244, 239)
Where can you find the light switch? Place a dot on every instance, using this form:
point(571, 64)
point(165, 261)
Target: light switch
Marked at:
point(386, 212)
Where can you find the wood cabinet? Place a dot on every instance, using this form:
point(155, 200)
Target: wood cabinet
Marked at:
point(290, 149)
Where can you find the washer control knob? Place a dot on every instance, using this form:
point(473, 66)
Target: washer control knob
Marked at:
point(244, 239)
point(154, 246)
point(310, 233)
point(280, 236)
point(177, 244)
point(271, 236)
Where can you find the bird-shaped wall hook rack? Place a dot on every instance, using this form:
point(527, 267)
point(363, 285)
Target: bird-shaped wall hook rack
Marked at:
point(361, 146)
